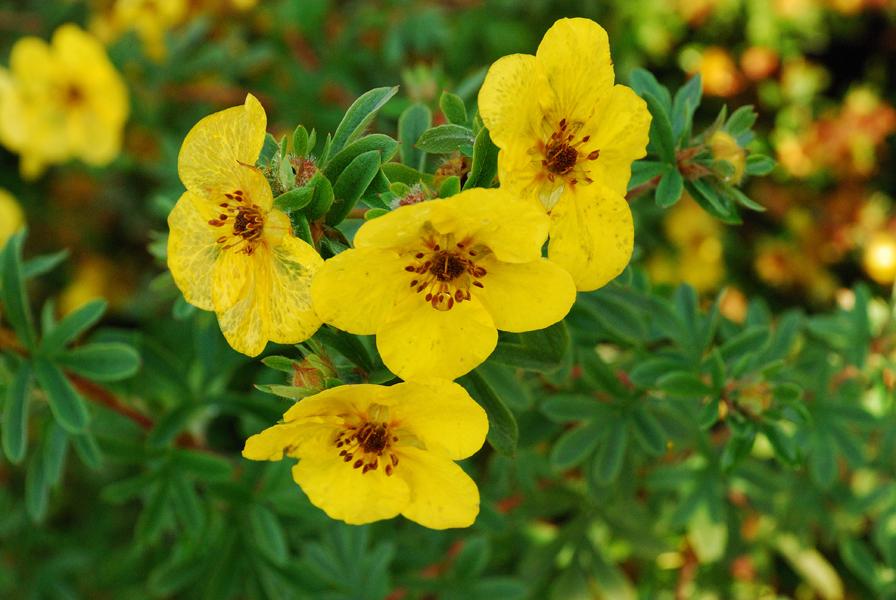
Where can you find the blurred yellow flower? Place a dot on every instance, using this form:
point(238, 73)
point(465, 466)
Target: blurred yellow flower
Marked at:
point(568, 137)
point(696, 236)
point(719, 73)
point(879, 258)
point(228, 249)
point(60, 101)
point(151, 19)
point(436, 280)
point(97, 277)
point(11, 217)
point(370, 452)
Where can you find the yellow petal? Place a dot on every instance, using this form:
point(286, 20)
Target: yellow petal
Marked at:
point(526, 296)
point(402, 227)
point(442, 495)
point(508, 106)
point(512, 228)
point(293, 439)
point(574, 59)
point(291, 315)
point(192, 251)
point(619, 129)
point(232, 274)
point(356, 289)
point(243, 323)
point(340, 400)
point(346, 493)
point(591, 235)
point(442, 415)
point(31, 60)
point(218, 144)
point(420, 341)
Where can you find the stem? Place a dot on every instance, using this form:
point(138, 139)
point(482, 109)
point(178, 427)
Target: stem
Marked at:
point(643, 188)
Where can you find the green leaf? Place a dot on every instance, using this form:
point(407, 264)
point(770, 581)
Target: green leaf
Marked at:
point(648, 432)
point(71, 326)
point(485, 161)
point(15, 415)
point(300, 141)
point(45, 263)
point(758, 164)
point(575, 445)
point(687, 99)
point(645, 170)
point(323, 197)
point(101, 362)
point(88, 450)
point(453, 108)
point(359, 115)
point(741, 120)
point(399, 173)
point(269, 150)
point(608, 460)
point(202, 464)
point(169, 425)
point(351, 185)
point(37, 491)
point(415, 119)
point(347, 345)
point(643, 82)
point(712, 202)
point(683, 384)
point(823, 461)
point(860, 560)
point(295, 199)
point(503, 431)
point(450, 187)
point(541, 350)
point(54, 452)
point(564, 407)
point(67, 406)
point(445, 139)
point(154, 514)
point(670, 188)
point(15, 301)
point(268, 534)
point(472, 559)
point(749, 341)
point(661, 129)
point(386, 146)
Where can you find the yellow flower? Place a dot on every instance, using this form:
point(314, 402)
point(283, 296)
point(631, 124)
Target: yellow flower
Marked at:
point(369, 452)
point(435, 280)
point(229, 250)
point(151, 19)
point(61, 100)
point(11, 217)
point(568, 137)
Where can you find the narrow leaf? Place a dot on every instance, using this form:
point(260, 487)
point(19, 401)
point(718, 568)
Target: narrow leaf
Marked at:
point(15, 415)
point(67, 406)
point(359, 115)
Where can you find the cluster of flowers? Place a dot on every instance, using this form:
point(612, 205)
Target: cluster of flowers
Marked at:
point(434, 281)
point(61, 100)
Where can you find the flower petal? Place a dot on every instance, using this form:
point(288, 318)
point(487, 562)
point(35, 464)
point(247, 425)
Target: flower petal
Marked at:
point(291, 315)
point(442, 415)
point(220, 142)
point(619, 129)
point(243, 323)
point(512, 228)
point(357, 289)
point(591, 235)
point(442, 495)
point(508, 107)
point(420, 341)
point(340, 400)
point(192, 251)
point(574, 59)
point(293, 439)
point(526, 296)
point(400, 228)
point(346, 493)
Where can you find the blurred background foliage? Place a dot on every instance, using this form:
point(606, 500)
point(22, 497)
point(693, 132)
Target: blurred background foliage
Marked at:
point(744, 443)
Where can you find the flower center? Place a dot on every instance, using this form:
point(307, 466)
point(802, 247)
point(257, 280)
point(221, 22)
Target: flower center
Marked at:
point(73, 95)
point(563, 156)
point(446, 270)
point(365, 443)
point(246, 220)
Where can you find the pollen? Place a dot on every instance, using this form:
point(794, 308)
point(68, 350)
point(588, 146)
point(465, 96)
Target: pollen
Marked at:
point(368, 445)
point(446, 269)
point(247, 223)
point(563, 156)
